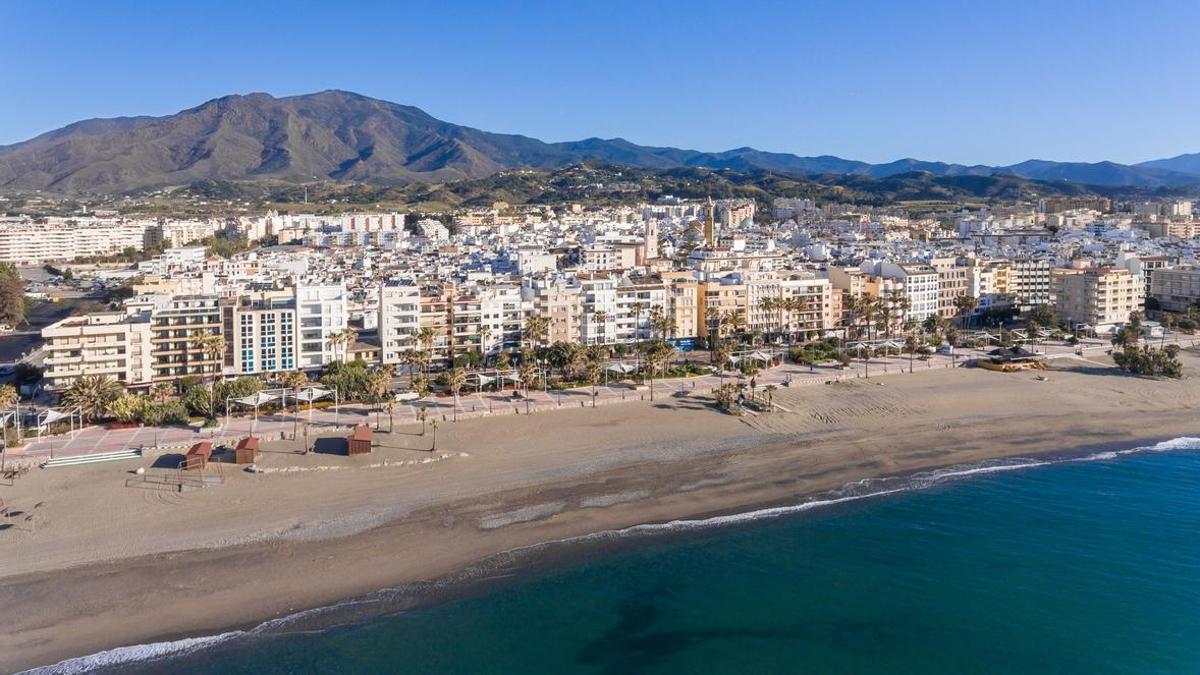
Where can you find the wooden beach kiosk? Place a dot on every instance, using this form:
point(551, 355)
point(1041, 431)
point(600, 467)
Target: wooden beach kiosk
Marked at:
point(1012, 359)
point(246, 451)
point(359, 442)
point(197, 456)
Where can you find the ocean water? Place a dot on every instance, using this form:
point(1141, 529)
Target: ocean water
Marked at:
point(1087, 565)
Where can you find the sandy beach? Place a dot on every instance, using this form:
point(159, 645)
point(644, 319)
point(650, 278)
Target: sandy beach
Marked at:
point(114, 562)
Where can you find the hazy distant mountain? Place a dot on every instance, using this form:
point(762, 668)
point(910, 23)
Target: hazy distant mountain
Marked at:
point(1189, 164)
point(347, 137)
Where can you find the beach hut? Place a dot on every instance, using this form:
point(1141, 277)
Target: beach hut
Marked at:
point(359, 442)
point(246, 451)
point(197, 455)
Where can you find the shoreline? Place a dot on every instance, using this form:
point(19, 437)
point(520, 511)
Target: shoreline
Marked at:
point(191, 592)
point(529, 562)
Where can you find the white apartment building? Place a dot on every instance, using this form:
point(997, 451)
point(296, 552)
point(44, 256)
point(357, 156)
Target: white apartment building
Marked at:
point(919, 284)
point(503, 310)
point(635, 302)
point(1029, 282)
point(322, 311)
point(175, 233)
point(399, 318)
point(32, 243)
point(598, 300)
point(175, 259)
point(602, 259)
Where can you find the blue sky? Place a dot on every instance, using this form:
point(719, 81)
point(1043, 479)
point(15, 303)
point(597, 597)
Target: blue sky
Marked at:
point(961, 81)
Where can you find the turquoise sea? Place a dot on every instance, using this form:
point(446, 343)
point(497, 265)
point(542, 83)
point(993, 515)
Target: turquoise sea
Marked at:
point(1081, 565)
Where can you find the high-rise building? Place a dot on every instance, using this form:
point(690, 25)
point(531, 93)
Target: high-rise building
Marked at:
point(321, 310)
point(261, 334)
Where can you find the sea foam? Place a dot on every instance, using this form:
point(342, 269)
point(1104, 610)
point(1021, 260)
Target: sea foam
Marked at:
point(855, 491)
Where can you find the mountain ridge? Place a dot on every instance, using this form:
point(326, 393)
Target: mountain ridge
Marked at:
point(344, 136)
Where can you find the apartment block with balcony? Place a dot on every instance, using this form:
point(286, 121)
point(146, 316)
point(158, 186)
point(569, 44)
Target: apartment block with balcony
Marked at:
point(113, 344)
point(683, 301)
point(1029, 282)
point(1176, 288)
point(558, 300)
point(399, 319)
point(503, 310)
point(636, 300)
point(176, 325)
point(1098, 297)
point(321, 309)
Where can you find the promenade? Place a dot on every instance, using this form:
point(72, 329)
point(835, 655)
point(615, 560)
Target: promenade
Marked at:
point(471, 404)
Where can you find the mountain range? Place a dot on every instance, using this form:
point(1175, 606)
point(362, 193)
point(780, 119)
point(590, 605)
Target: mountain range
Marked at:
point(342, 136)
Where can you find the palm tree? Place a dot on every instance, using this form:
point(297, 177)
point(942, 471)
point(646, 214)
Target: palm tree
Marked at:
point(720, 357)
point(8, 397)
point(485, 332)
point(775, 305)
point(343, 338)
point(665, 326)
point(662, 322)
point(857, 308)
point(736, 321)
point(898, 305)
point(798, 304)
point(963, 306)
point(390, 406)
point(934, 326)
point(377, 391)
point(92, 394)
point(213, 346)
point(293, 379)
point(952, 337)
point(578, 360)
point(602, 319)
point(455, 379)
point(657, 355)
point(591, 375)
point(883, 317)
point(527, 372)
point(536, 329)
point(910, 344)
point(388, 370)
point(426, 337)
point(638, 308)
point(596, 355)
point(412, 359)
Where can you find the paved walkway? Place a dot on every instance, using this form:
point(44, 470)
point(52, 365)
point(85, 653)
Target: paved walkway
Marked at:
point(481, 404)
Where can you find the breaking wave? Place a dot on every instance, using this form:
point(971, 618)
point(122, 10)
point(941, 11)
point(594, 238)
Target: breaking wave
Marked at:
point(391, 600)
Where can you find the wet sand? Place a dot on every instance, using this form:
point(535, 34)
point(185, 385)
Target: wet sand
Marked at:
point(114, 562)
